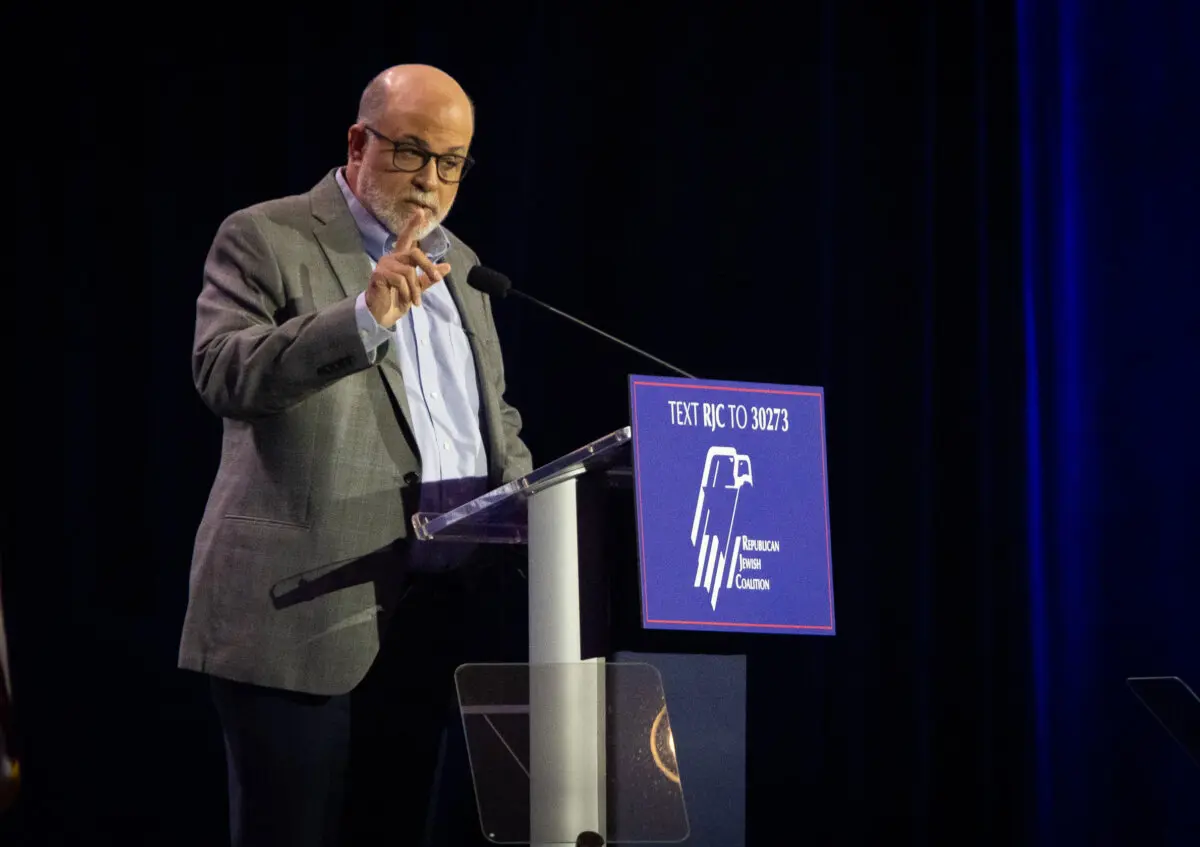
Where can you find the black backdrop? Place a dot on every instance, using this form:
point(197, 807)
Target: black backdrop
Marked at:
point(828, 194)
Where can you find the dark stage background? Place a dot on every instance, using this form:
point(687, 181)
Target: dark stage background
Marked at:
point(974, 223)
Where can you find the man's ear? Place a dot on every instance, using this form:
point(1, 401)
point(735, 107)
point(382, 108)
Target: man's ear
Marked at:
point(356, 143)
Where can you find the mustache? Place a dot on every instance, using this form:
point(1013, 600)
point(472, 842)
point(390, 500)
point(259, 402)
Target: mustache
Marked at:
point(427, 200)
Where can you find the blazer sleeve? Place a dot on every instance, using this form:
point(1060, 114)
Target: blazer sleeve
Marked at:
point(246, 365)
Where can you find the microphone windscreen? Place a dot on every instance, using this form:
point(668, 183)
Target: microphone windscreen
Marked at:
point(490, 282)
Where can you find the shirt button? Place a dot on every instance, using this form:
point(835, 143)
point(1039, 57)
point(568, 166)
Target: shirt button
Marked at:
point(433, 394)
point(445, 445)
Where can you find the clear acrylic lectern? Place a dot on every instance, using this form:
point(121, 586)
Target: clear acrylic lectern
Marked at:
point(540, 509)
point(575, 727)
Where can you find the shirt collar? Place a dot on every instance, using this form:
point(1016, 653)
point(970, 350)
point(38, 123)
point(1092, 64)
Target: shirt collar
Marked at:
point(378, 239)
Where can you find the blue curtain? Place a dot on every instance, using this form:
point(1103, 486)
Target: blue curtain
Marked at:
point(1110, 131)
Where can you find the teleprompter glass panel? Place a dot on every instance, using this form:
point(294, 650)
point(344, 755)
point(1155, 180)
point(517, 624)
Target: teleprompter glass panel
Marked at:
point(561, 749)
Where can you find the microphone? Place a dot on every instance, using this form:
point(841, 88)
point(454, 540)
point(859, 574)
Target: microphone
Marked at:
point(495, 284)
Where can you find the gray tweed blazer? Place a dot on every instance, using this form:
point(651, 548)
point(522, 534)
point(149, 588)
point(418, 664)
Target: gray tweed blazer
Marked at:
point(296, 565)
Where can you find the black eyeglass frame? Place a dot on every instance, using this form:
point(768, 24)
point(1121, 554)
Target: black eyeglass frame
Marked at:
point(409, 147)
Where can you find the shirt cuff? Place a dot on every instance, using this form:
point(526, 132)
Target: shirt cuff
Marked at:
point(369, 330)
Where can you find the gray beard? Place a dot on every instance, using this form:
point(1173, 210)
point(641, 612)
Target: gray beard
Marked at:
point(391, 211)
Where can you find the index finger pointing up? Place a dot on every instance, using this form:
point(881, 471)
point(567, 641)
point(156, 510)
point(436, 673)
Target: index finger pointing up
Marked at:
point(408, 236)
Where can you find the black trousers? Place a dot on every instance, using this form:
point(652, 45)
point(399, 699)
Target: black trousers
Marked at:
point(385, 763)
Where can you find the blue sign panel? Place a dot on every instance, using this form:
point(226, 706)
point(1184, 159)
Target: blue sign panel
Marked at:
point(732, 506)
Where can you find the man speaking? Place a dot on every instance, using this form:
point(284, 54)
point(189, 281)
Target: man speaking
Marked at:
point(358, 380)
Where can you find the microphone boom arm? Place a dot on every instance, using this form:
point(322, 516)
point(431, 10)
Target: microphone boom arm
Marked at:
point(613, 338)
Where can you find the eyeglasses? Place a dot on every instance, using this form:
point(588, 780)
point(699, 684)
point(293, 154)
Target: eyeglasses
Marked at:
point(410, 158)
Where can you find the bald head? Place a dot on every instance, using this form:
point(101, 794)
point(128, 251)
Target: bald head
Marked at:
point(408, 112)
point(419, 89)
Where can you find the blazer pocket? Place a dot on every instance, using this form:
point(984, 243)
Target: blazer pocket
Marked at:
point(266, 522)
point(269, 474)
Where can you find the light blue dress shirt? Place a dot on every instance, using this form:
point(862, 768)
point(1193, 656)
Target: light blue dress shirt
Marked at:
point(435, 360)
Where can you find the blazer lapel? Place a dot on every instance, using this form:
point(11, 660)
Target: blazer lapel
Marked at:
point(338, 235)
point(489, 404)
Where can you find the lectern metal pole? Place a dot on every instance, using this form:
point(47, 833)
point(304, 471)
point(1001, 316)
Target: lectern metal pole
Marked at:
point(554, 622)
point(565, 698)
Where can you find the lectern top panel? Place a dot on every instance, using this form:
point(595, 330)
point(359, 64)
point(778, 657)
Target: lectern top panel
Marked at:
point(499, 516)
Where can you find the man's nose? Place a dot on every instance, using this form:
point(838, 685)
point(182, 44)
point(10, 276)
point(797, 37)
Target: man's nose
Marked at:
point(426, 179)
